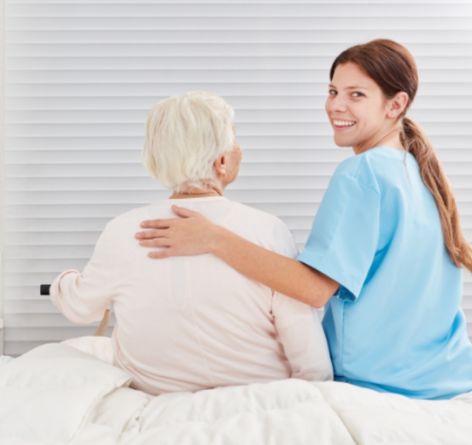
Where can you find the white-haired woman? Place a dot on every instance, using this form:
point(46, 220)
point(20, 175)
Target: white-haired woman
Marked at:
point(194, 322)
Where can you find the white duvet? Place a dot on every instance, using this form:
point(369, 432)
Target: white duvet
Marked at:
point(56, 394)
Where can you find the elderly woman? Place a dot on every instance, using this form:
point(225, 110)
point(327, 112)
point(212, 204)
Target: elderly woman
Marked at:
point(189, 323)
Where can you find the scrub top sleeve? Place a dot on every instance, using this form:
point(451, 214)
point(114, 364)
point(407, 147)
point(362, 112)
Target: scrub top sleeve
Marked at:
point(345, 232)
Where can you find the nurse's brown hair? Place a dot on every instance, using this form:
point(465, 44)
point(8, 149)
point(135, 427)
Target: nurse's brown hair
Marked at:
point(393, 68)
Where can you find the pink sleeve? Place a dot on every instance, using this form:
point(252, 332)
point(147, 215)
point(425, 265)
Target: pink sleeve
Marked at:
point(298, 325)
point(84, 297)
point(302, 337)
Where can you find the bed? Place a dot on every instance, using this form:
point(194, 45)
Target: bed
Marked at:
point(58, 394)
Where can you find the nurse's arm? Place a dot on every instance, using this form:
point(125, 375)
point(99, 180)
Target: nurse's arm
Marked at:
point(193, 234)
point(281, 273)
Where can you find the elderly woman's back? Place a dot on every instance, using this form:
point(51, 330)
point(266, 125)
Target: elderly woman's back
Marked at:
point(187, 323)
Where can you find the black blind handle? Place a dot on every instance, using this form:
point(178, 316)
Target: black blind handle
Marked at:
point(44, 289)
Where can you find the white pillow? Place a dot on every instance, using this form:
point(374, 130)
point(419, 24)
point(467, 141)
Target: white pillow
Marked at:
point(99, 347)
point(49, 392)
point(4, 359)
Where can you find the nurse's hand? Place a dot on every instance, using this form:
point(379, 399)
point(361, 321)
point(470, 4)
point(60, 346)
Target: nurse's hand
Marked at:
point(191, 234)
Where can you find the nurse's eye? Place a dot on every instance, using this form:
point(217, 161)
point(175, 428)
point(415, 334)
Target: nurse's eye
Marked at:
point(357, 94)
point(332, 92)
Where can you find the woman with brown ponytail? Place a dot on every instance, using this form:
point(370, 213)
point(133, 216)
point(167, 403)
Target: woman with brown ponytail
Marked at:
point(386, 251)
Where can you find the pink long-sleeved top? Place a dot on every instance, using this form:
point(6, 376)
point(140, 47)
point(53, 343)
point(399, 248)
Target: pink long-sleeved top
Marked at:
point(188, 323)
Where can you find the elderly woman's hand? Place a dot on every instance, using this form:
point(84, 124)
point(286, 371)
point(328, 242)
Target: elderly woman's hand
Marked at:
point(192, 234)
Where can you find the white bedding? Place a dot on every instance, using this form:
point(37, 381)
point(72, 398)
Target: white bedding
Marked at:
point(56, 394)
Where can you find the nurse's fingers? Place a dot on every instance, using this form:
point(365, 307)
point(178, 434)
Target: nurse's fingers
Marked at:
point(183, 212)
point(151, 234)
point(163, 253)
point(157, 223)
point(155, 242)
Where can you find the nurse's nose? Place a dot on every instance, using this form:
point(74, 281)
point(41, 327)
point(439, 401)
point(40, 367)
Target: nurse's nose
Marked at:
point(336, 104)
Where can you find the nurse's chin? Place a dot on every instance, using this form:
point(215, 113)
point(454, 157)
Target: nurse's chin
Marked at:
point(341, 142)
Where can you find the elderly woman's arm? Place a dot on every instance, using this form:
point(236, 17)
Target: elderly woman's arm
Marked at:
point(193, 234)
point(301, 335)
point(83, 297)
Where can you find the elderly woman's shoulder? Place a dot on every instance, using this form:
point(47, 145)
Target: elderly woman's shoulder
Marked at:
point(129, 217)
point(266, 228)
point(257, 213)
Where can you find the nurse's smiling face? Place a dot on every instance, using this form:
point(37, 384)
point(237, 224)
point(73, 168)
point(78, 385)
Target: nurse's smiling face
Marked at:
point(359, 112)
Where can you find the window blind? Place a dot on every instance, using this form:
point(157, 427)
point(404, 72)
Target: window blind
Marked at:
point(80, 77)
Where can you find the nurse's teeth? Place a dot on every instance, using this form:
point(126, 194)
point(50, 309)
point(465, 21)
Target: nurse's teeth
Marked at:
point(344, 123)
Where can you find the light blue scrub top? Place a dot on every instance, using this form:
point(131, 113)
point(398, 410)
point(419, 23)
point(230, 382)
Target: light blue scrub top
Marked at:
point(395, 324)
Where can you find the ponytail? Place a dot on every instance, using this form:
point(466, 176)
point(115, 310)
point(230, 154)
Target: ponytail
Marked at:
point(415, 141)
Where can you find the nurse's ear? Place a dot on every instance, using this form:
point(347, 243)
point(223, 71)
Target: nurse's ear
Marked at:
point(397, 105)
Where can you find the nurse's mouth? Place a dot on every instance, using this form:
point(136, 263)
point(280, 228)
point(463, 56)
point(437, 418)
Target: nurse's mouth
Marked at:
point(339, 124)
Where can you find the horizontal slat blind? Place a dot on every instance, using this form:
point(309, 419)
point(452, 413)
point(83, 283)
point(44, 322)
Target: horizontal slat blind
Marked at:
point(2, 165)
point(81, 76)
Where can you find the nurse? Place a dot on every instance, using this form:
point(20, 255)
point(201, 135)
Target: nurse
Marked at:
point(386, 250)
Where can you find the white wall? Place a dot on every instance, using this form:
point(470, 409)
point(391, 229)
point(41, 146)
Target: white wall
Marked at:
point(2, 164)
point(81, 76)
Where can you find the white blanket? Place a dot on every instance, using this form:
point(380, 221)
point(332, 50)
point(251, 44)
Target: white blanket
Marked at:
point(56, 394)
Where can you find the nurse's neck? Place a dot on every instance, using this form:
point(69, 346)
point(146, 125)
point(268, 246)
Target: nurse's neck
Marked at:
point(199, 192)
point(390, 139)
